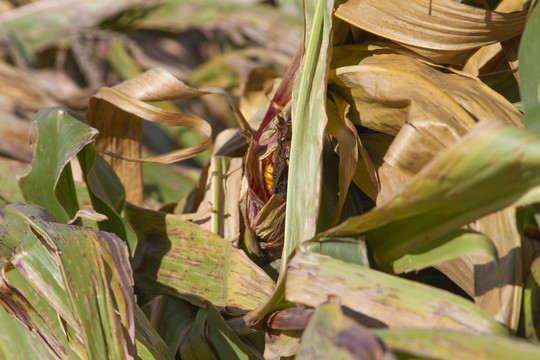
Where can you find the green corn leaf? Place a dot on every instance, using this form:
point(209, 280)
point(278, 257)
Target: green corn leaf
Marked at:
point(309, 122)
point(9, 172)
point(149, 343)
point(455, 188)
point(106, 194)
point(452, 245)
point(436, 344)
point(178, 258)
point(16, 343)
point(345, 249)
point(196, 345)
point(382, 299)
point(531, 303)
point(172, 318)
point(529, 73)
point(331, 335)
point(62, 133)
point(88, 285)
point(226, 342)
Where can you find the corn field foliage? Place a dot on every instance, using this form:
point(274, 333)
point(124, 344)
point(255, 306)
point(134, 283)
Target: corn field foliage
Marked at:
point(242, 179)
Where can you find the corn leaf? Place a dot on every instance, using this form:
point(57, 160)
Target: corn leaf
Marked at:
point(498, 286)
point(529, 74)
point(531, 303)
point(172, 318)
point(149, 343)
point(279, 31)
point(117, 112)
point(345, 249)
point(16, 343)
point(382, 299)
point(309, 121)
point(226, 342)
point(388, 93)
point(452, 345)
point(331, 335)
point(452, 245)
point(177, 258)
point(451, 191)
point(40, 25)
point(10, 170)
point(106, 194)
point(62, 133)
point(88, 284)
point(443, 30)
point(196, 345)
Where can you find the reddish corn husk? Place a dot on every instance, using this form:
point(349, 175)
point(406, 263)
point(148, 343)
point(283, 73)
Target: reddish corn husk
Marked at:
point(264, 211)
point(284, 92)
point(265, 203)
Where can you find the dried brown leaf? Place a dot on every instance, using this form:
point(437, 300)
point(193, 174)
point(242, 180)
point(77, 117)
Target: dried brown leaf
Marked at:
point(425, 109)
point(444, 31)
point(117, 112)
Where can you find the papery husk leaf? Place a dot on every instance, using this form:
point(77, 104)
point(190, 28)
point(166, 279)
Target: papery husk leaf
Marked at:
point(446, 345)
point(444, 31)
point(269, 226)
point(341, 128)
point(499, 293)
point(178, 258)
point(381, 298)
point(482, 60)
point(264, 212)
point(478, 62)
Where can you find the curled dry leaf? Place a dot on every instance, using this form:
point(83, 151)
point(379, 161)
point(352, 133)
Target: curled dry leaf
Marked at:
point(444, 31)
point(117, 112)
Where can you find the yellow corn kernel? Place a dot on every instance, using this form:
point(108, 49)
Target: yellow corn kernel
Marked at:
point(268, 171)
